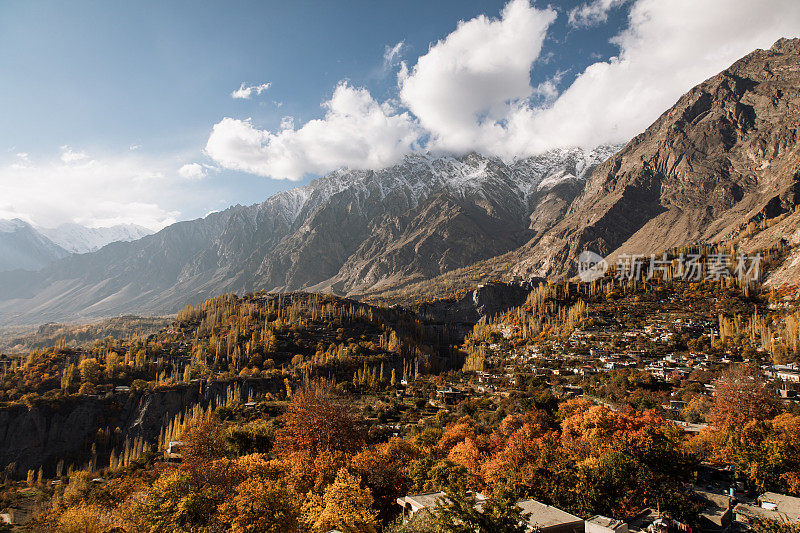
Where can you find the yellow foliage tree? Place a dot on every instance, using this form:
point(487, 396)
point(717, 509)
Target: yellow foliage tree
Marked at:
point(346, 506)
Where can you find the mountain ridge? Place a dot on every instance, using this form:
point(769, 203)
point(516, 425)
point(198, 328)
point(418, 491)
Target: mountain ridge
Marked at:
point(22, 247)
point(316, 237)
point(79, 239)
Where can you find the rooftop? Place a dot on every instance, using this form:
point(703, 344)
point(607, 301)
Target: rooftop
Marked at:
point(605, 521)
point(542, 515)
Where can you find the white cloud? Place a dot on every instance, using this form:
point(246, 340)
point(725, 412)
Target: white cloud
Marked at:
point(667, 48)
point(287, 123)
point(592, 13)
point(244, 92)
point(70, 156)
point(355, 131)
point(472, 90)
point(92, 192)
point(469, 82)
point(392, 55)
point(192, 171)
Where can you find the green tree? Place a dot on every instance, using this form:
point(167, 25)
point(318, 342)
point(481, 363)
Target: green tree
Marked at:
point(461, 512)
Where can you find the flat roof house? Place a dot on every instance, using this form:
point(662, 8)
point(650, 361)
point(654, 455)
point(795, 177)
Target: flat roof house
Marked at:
point(771, 505)
point(415, 503)
point(604, 524)
point(549, 519)
point(543, 518)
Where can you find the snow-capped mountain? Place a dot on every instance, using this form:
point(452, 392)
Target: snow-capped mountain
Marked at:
point(81, 239)
point(351, 232)
point(22, 247)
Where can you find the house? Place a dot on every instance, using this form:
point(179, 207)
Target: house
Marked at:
point(542, 518)
point(427, 501)
point(548, 519)
point(173, 451)
point(603, 524)
point(450, 395)
point(790, 376)
point(770, 505)
point(717, 510)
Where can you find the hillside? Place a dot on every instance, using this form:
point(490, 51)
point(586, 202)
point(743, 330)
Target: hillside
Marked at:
point(24, 248)
point(725, 156)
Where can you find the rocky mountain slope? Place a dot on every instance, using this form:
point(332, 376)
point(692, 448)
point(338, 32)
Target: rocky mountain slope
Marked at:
point(351, 232)
point(725, 155)
point(22, 247)
point(79, 239)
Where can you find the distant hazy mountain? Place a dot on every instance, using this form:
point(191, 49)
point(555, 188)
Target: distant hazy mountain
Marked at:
point(22, 247)
point(352, 232)
point(80, 239)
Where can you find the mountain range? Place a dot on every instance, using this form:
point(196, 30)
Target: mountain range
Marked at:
point(78, 239)
point(25, 247)
point(723, 157)
point(22, 247)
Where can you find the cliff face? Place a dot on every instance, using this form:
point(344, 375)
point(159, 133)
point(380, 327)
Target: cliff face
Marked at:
point(41, 436)
point(724, 155)
point(485, 301)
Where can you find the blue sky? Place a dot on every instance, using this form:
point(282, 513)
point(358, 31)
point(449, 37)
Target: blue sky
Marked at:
point(103, 103)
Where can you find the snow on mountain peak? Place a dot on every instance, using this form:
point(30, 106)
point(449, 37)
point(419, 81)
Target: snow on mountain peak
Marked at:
point(81, 239)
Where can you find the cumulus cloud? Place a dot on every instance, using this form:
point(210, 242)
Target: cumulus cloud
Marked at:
point(592, 13)
point(244, 92)
point(667, 48)
point(192, 171)
point(355, 131)
point(472, 90)
point(469, 82)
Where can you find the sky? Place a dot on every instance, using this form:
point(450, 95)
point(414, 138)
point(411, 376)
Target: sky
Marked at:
point(152, 112)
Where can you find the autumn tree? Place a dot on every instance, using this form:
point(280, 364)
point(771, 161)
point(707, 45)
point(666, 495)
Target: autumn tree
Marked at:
point(90, 370)
point(262, 505)
point(346, 506)
point(383, 469)
point(172, 504)
point(205, 443)
point(320, 433)
point(82, 518)
point(742, 395)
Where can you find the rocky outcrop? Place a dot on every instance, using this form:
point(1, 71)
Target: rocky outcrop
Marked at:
point(485, 301)
point(43, 434)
